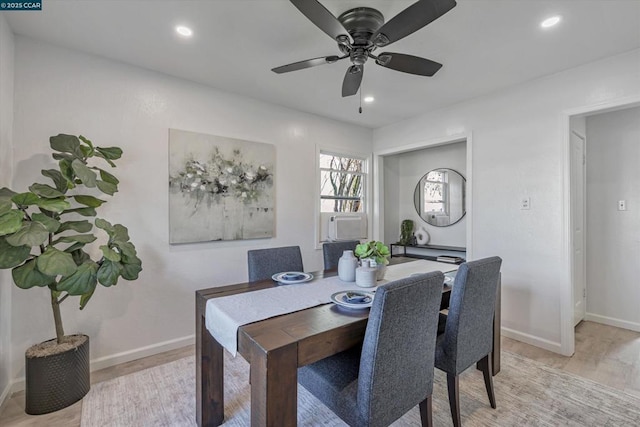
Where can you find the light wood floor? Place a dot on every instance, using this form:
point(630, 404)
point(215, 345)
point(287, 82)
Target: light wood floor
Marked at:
point(604, 354)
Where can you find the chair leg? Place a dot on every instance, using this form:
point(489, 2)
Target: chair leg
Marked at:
point(454, 399)
point(426, 412)
point(485, 366)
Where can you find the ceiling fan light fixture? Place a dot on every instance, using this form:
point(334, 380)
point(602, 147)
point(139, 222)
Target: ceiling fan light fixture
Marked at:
point(184, 31)
point(368, 99)
point(550, 22)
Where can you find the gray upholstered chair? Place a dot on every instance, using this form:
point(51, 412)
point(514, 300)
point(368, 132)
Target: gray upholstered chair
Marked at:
point(377, 383)
point(264, 263)
point(468, 332)
point(332, 252)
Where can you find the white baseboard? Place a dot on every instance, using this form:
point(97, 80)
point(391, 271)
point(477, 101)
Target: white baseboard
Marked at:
point(4, 397)
point(125, 356)
point(532, 340)
point(624, 324)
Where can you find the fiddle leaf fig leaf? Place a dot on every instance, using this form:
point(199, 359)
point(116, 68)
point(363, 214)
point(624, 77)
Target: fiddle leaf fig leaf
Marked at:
point(84, 298)
point(27, 276)
point(6, 193)
point(109, 153)
point(107, 177)
point(120, 233)
point(30, 234)
point(80, 256)
point(104, 224)
point(50, 224)
point(67, 172)
point(85, 140)
point(46, 191)
point(82, 211)
point(131, 271)
point(58, 179)
point(11, 221)
point(90, 201)
point(5, 204)
point(86, 175)
point(110, 254)
point(25, 199)
point(66, 144)
point(53, 205)
point(106, 187)
point(54, 262)
point(82, 281)
point(80, 238)
point(82, 226)
point(12, 256)
point(108, 273)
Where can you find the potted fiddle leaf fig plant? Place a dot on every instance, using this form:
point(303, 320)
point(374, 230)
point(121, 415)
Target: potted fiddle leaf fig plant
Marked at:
point(377, 251)
point(43, 240)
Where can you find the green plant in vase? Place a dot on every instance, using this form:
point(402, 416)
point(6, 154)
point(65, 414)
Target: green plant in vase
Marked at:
point(377, 251)
point(43, 241)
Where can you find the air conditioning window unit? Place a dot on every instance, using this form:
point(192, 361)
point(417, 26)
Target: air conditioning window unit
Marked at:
point(347, 227)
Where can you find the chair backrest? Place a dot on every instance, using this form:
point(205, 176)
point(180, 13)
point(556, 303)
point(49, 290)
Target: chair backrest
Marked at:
point(396, 364)
point(332, 252)
point(468, 334)
point(264, 263)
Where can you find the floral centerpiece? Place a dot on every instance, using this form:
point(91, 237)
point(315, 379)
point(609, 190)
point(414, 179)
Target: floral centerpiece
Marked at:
point(377, 251)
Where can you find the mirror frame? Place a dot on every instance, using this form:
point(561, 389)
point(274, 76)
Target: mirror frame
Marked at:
point(420, 186)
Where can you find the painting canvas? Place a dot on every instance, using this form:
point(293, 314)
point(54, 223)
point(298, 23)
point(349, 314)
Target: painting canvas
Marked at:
point(219, 188)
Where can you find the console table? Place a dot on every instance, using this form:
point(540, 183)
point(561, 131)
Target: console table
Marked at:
point(430, 252)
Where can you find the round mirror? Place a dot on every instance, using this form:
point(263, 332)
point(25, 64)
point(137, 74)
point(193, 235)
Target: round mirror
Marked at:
point(439, 197)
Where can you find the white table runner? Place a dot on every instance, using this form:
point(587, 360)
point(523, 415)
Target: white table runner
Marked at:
point(224, 315)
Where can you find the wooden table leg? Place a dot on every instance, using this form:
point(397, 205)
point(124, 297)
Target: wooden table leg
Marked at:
point(209, 377)
point(274, 387)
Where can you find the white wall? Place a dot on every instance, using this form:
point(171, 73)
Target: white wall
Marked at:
point(6, 170)
point(401, 174)
point(58, 90)
point(519, 151)
point(613, 236)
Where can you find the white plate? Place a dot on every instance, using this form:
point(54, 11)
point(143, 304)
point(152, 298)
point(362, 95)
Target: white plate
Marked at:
point(340, 299)
point(292, 277)
point(448, 280)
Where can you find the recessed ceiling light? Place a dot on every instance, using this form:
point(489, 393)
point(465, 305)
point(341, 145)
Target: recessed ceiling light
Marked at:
point(184, 31)
point(369, 99)
point(550, 22)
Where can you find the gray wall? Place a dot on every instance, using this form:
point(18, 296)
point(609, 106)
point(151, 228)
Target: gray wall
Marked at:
point(613, 236)
point(6, 169)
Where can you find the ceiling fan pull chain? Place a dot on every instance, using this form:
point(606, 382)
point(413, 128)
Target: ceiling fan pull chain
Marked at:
point(360, 109)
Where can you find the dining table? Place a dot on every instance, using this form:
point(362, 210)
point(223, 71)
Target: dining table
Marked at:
point(276, 347)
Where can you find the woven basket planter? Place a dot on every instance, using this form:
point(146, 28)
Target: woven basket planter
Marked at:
point(57, 381)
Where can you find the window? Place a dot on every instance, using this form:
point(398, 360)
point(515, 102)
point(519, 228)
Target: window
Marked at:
point(343, 181)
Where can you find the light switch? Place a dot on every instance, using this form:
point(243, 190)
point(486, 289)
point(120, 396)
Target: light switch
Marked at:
point(622, 205)
point(525, 203)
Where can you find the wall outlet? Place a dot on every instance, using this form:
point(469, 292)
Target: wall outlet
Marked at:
point(525, 203)
point(622, 205)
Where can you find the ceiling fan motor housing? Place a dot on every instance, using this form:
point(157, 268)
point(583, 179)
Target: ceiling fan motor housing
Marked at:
point(361, 23)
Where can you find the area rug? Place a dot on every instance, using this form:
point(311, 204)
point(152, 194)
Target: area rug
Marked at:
point(528, 393)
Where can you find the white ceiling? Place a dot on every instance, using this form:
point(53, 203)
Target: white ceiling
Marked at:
point(485, 45)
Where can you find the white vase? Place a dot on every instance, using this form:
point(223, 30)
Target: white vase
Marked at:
point(381, 270)
point(347, 265)
point(422, 237)
point(366, 275)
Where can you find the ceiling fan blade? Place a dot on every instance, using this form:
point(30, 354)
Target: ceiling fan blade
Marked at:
point(411, 19)
point(408, 63)
point(352, 80)
point(322, 18)
point(300, 65)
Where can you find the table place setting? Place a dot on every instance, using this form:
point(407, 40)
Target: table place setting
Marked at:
point(297, 291)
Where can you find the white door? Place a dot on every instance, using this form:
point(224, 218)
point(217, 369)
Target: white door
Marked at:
point(578, 204)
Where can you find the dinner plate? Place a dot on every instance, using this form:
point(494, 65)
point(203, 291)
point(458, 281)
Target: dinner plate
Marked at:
point(292, 277)
point(353, 299)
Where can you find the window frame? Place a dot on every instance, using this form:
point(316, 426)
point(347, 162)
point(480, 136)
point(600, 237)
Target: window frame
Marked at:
point(367, 182)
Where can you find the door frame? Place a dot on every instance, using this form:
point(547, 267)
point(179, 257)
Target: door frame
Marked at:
point(567, 329)
point(582, 212)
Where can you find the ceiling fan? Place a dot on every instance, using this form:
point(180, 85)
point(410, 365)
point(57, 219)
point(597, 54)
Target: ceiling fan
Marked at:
point(360, 31)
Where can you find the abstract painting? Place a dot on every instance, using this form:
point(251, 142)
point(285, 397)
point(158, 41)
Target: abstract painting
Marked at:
point(219, 188)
